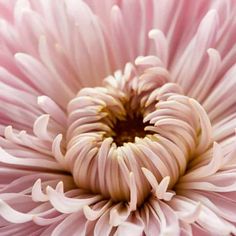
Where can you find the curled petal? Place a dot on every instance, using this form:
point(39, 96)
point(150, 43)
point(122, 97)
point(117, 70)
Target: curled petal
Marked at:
point(29, 162)
point(150, 177)
point(161, 188)
point(192, 216)
point(119, 214)
point(92, 214)
point(205, 138)
point(41, 127)
point(12, 215)
point(211, 168)
point(56, 150)
point(37, 194)
point(51, 108)
point(68, 205)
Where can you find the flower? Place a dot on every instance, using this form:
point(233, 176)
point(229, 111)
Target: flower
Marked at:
point(117, 117)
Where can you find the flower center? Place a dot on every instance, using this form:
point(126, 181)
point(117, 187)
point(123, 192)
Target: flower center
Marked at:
point(135, 132)
point(127, 130)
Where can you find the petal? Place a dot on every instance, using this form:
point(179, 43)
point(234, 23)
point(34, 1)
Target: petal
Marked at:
point(68, 205)
point(12, 215)
point(69, 226)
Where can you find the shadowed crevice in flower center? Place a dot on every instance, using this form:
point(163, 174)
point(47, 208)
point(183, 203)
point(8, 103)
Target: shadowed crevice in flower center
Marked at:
point(126, 130)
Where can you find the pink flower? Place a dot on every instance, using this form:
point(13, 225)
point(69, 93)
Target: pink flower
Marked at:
point(117, 117)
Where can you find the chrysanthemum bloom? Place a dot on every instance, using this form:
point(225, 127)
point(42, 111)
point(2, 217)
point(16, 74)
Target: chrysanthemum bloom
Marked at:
point(117, 117)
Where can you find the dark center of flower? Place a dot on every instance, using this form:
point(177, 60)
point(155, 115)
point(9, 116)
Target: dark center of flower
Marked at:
point(126, 130)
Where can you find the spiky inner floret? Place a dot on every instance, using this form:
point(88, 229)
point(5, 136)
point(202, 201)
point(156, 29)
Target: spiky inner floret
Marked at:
point(133, 133)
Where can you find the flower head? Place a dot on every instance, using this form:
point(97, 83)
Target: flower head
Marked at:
point(117, 117)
